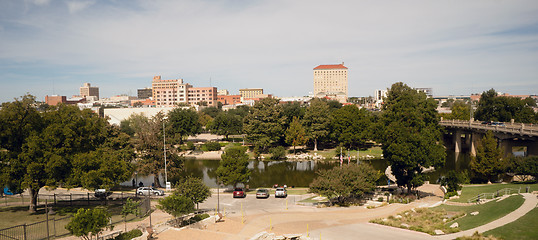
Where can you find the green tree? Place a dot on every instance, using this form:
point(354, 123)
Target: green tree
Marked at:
point(351, 180)
point(46, 153)
point(410, 134)
point(211, 111)
point(176, 205)
point(487, 165)
point(87, 223)
point(194, 188)
point(233, 168)
point(460, 110)
point(264, 124)
point(501, 108)
point(295, 134)
point(350, 125)
point(316, 120)
point(183, 123)
point(226, 123)
point(148, 141)
point(524, 166)
point(130, 207)
point(291, 110)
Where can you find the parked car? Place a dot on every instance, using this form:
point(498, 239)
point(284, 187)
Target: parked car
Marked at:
point(262, 193)
point(498, 124)
point(281, 192)
point(102, 193)
point(149, 191)
point(239, 193)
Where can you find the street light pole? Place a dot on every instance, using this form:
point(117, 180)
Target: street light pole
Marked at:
point(164, 147)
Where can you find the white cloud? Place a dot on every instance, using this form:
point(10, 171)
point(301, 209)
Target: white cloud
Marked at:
point(40, 2)
point(77, 6)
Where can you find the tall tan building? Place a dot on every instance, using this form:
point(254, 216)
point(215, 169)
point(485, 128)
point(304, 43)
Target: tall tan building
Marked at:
point(168, 93)
point(197, 95)
point(88, 91)
point(331, 81)
point(250, 92)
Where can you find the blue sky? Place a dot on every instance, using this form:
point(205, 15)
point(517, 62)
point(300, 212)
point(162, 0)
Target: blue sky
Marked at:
point(455, 47)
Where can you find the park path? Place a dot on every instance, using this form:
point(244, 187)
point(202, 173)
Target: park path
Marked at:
point(530, 203)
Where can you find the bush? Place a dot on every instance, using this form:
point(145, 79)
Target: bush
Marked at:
point(189, 146)
point(278, 153)
point(129, 235)
point(211, 146)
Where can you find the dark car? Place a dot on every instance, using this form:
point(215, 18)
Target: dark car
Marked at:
point(239, 193)
point(102, 193)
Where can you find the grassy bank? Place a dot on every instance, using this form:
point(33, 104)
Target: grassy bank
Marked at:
point(471, 191)
point(523, 228)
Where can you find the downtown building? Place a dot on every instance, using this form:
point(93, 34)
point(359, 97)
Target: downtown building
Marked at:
point(168, 93)
point(330, 81)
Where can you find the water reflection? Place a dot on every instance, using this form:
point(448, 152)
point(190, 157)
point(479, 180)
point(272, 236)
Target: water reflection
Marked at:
point(299, 173)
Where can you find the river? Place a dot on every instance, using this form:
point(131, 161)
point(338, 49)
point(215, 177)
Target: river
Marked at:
point(298, 173)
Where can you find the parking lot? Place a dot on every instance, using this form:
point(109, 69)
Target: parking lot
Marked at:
point(250, 204)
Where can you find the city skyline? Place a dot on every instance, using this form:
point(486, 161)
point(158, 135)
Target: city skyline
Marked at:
point(457, 48)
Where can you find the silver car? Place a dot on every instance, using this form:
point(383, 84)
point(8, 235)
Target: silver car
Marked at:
point(281, 192)
point(149, 191)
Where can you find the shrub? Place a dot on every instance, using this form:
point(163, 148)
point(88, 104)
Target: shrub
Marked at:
point(189, 146)
point(212, 146)
point(129, 235)
point(278, 153)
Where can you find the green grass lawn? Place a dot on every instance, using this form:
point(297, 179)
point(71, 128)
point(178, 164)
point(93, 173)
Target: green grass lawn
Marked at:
point(429, 219)
point(19, 214)
point(471, 191)
point(488, 212)
point(523, 228)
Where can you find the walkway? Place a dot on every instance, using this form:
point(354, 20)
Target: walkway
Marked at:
point(530, 203)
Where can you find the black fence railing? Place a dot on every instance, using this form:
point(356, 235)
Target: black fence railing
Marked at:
point(55, 227)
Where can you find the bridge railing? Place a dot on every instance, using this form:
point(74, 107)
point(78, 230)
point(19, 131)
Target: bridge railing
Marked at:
point(514, 128)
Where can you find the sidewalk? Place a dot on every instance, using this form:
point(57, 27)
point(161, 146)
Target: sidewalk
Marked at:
point(530, 203)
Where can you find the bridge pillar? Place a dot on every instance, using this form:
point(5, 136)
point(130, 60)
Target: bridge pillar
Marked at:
point(457, 141)
point(532, 148)
point(472, 148)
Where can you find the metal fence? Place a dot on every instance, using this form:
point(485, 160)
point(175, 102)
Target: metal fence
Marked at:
point(71, 199)
point(51, 228)
point(55, 227)
point(498, 193)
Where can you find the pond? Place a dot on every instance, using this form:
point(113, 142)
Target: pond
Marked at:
point(298, 173)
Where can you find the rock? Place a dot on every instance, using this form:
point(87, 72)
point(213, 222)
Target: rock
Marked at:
point(438, 232)
point(412, 209)
point(444, 220)
point(398, 216)
point(455, 225)
point(385, 220)
point(405, 225)
point(474, 213)
point(406, 213)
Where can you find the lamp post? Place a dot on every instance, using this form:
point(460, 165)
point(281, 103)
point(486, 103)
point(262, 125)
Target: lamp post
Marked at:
point(164, 147)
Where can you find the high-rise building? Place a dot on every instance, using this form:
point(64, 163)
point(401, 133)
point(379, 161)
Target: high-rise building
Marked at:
point(87, 91)
point(250, 92)
point(331, 81)
point(378, 97)
point(222, 92)
point(427, 91)
point(198, 95)
point(144, 93)
point(171, 92)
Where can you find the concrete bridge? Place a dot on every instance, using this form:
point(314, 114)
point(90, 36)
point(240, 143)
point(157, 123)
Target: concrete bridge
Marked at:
point(465, 134)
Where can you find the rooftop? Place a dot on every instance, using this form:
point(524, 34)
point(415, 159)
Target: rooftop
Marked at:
point(330, 66)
